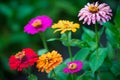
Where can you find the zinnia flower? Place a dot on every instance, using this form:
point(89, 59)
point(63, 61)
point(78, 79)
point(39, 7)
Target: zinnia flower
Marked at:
point(65, 25)
point(73, 67)
point(38, 24)
point(95, 12)
point(23, 59)
point(49, 61)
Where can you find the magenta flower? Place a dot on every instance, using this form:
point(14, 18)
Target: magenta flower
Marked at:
point(95, 12)
point(73, 67)
point(38, 24)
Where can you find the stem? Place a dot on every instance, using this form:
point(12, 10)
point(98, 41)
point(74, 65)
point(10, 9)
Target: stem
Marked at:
point(44, 41)
point(69, 48)
point(27, 70)
point(97, 76)
point(55, 74)
point(70, 53)
point(72, 76)
point(96, 39)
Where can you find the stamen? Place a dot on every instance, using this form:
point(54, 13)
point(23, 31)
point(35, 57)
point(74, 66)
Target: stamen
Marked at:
point(36, 23)
point(93, 9)
point(20, 55)
point(72, 66)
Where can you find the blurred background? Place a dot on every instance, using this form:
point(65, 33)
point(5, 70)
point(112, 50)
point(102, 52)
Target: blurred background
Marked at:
point(15, 14)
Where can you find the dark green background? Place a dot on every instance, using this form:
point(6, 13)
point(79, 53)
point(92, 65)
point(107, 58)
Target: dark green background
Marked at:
point(14, 15)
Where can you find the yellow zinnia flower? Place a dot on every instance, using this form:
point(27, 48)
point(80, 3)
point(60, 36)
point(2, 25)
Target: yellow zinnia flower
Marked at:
point(49, 61)
point(65, 25)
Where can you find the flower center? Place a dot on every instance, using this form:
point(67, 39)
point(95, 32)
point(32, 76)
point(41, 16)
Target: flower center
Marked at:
point(72, 66)
point(20, 55)
point(47, 59)
point(36, 23)
point(66, 25)
point(93, 9)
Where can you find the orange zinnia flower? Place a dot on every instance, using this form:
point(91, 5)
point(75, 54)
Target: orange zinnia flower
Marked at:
point(49, 61)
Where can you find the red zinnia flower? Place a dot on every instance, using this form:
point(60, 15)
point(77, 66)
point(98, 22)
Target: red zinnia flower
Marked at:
point(27, 57)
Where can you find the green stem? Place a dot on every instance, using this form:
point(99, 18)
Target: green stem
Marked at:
point(27, 70)
point(69, 48)
point(44, 41)
point(55, 74)
point(72, 76)
point(70, 53)
point(96, 31)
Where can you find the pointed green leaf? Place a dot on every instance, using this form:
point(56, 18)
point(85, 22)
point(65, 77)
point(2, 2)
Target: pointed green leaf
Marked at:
point(111, 53)
point(82, 54)
point(110, 37)
point(59, 72)
point(96, 60)
point(77, 42)
point(42, 51)
point(86, 76)
point(88, 34)
point(64, 39)
point(53, 39)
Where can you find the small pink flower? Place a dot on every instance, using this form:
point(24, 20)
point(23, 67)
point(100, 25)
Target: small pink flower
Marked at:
point(38, 24)
point(95, 12)
point(73, 67)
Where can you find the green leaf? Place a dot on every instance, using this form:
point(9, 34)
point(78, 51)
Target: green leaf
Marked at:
point(110, 37)
point(53, 39)
point(79, 43)
point(92, 45)
point(111, 53)
point(82, 54)
point(42, 51)
point(96, 60)
point(66, 60)
point(101, 32)
point(32, 77)
point(88, 35)
point(64, 39)
point(110, 26)
point(86, 76)
point(51, 74)
point(116, 68)
point(59, 72)
point(86, 65)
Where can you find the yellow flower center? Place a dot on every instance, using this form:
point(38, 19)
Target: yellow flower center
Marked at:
point(72, 66)
point(66, 26)
point(93, 9)
point(20, 55)
point(36, 23)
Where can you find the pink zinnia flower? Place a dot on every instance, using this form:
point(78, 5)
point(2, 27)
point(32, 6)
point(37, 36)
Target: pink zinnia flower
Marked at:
point(95, 12)
point(73, 67)
point(23, 59)
point(38, 24)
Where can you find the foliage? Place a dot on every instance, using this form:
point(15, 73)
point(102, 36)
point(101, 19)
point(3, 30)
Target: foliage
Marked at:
point(15, 14)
